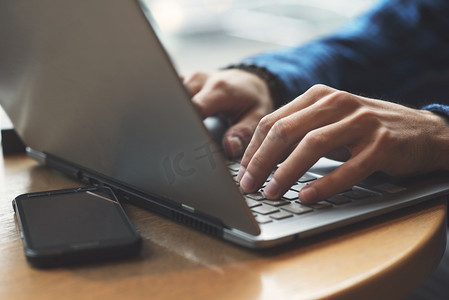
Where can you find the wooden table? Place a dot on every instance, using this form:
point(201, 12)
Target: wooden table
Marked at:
point(383, 258)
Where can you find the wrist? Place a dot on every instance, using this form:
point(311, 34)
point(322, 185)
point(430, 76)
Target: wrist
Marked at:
point(439, 137)
point(439, 109)
point(275, 86)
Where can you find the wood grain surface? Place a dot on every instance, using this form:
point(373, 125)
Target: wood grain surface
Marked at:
point(383, 258)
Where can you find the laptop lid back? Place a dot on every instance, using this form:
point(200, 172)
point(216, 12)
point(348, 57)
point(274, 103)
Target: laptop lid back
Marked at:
point(89, 82)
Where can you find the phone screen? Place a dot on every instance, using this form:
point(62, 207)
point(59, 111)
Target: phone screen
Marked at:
point(71, 219)
point(63, 222)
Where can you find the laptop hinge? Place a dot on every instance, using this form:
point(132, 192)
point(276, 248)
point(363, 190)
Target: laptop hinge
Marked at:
point(176, 212)
point(63, 167)
point(170, 209)
point(36, 155)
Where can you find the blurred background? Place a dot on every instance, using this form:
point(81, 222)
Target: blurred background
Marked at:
point(209, 34)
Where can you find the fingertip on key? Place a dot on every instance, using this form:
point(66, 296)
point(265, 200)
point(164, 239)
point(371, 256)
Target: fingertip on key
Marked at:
point(308, 194)
point(247, 183)
point(271, 191)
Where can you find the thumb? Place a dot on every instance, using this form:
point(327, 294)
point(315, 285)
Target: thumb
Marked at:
point(238, 136)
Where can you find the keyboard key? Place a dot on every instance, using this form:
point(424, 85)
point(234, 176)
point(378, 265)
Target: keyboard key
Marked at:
point(256, 196)
point(306, 178)
point(390, 188)
point(291, 195)
point(276, 202)
point(265, 209)
point(357, 194)
point(262, 219)
point(252, 203)
point(320, 205)
point(233, 173)
point(297, 187)
point(339, 200)
point(296, 208)
point(234, 166)
point(281, 215)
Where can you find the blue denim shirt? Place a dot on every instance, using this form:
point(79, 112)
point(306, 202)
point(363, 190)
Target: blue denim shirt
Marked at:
point(398, 51)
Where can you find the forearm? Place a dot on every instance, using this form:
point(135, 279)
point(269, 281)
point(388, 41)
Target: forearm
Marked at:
point(396, 48)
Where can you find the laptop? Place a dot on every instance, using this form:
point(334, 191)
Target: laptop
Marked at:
point(92, 93)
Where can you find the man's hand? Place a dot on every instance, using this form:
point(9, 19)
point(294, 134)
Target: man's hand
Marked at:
point(379, 135)
point(243, 98)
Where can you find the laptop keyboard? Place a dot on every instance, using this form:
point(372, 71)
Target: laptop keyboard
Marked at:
point(289, 206)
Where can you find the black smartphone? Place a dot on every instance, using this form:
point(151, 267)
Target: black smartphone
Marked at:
point(74, 226)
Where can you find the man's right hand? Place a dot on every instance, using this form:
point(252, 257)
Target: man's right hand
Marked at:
point(241, 97)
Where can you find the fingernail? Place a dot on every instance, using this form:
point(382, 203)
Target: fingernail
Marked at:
point(247, 183)
point(241, 172)
point(272, 189)
point(235, 146)
point(308, 194)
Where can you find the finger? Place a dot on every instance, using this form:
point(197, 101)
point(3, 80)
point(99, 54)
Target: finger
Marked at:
point(276, 144)
point(311, 96)
point(282, 135)
point(237, 137)
point(195, 82)
point(340, 154)
point(343, 178)
point(312, 147)
point(307, 99)
point(210, 102)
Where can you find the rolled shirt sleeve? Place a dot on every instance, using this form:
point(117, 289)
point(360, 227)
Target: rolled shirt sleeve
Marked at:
point(398, 51)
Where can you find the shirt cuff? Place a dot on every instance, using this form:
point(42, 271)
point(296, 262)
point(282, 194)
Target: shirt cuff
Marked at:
point(439, 109)
point(275, 85)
